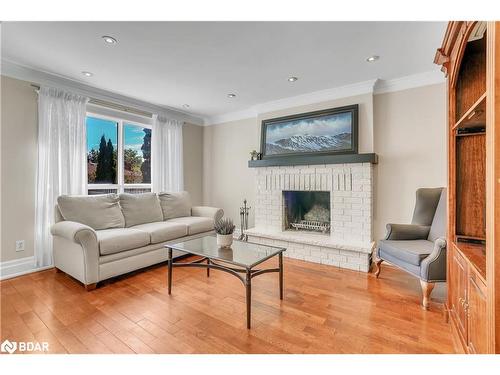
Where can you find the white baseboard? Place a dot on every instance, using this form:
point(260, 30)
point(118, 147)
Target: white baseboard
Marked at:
point(18, 267)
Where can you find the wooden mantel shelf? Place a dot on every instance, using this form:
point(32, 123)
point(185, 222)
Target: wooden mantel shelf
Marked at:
point(314, 160)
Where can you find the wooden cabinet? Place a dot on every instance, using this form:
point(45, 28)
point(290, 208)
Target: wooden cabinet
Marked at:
point(468, 303)
point(475, 306)
point(470, 58)
point(459, 290)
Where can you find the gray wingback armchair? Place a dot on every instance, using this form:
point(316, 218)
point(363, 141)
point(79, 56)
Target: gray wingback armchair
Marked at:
point(420, 247)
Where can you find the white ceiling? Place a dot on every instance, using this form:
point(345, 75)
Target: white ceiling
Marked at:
point(199, 63)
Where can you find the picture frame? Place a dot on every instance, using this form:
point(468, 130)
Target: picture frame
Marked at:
point(331, 131)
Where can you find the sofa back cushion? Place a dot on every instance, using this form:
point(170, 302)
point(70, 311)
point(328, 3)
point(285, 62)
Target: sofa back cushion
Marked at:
point(175, 204)
point(140, 208)
point(96, 211)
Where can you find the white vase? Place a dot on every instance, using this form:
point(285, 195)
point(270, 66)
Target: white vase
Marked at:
point(224, 240)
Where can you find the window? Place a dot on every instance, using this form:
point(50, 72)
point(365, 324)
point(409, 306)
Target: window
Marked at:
point(137, 154)
point(118, 156)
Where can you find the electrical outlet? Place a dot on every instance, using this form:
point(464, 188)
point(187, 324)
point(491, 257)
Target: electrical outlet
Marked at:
point(20, 245)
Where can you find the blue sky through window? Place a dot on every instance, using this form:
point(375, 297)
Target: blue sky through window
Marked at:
point(96, 127)
point(133, 137)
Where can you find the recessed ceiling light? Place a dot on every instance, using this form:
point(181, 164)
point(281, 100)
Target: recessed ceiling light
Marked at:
point(109, 39)
point(186, 105)
point(231, 95)
point(373, 58)
point(87, 74)
point(292, 79)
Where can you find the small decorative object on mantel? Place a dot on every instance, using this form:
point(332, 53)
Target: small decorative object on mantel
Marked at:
point(254, 155)
point(224, 228)
point(244, 220)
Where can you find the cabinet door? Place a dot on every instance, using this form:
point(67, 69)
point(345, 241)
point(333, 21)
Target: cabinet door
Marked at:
point(459, 292)
point(476, 311)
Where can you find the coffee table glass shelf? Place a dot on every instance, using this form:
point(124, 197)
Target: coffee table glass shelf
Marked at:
point(239, 260)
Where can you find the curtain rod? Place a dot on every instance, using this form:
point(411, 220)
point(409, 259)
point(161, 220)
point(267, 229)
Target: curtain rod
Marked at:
point(119, 107)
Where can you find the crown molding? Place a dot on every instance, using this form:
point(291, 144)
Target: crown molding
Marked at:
point(432, 77)
point(360, 88)
point(15, 70)
point(373, 87)
point(231, 116)
point(346, 91)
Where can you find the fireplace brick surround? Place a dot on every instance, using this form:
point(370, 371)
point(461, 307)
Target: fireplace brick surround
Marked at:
point(350, 243)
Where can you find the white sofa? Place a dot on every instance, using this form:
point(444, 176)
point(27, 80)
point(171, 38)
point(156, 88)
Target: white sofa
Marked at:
point(97, 237)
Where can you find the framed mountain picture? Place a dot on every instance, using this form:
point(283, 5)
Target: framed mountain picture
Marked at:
point(327, 132)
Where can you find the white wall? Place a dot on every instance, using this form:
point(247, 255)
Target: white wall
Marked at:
point(227, 180)
point(408, 135)
point(193, 161)
point(18, 156)
point(410, 140)
point(18, 162)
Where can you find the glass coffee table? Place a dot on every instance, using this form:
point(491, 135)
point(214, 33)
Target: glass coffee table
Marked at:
point(238, 260)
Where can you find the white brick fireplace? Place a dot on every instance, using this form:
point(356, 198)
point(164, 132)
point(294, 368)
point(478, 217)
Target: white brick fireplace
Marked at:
point(350, 242)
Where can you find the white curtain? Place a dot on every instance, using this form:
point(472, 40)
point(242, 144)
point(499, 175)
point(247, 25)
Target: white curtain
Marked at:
point(166, 154)
point(62, 158)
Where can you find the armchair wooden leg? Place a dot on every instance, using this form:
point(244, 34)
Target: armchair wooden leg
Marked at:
point(426, 291)
point(90, 287)
point(378, 264)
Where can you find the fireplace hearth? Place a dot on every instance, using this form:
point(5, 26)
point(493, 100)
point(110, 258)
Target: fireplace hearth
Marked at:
point(306, 211)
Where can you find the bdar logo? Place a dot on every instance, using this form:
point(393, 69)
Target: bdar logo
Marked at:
point(24, 346)
point(8, 346)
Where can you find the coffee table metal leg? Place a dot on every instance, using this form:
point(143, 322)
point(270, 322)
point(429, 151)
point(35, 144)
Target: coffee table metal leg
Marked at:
point(208, 268)
point(248, 287)
point(170, 271)
point(281, 274)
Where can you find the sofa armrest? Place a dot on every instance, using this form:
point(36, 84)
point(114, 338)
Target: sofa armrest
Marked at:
point(205, 211)
point(83, 237)
point(72, 230)
point(433, 267)
point(407, 232)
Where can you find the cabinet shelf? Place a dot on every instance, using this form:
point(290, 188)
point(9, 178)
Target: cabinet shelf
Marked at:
point(472, 239)
point(475, 117)
point(475, 255)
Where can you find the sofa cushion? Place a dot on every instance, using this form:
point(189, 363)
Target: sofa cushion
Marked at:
point(163, 230)
point(175, 204)
point(113, 241)
point(140, 208)
point(96, 211)
point(411, 268)
point(195, 224)
point(413, 251)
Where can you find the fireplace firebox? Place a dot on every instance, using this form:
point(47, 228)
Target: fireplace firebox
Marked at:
point(306, 211)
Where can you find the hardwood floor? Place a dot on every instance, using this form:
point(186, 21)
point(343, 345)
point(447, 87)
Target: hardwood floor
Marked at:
point(325, 310)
